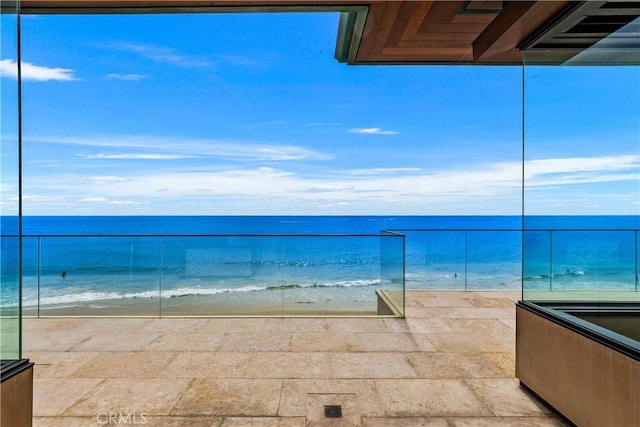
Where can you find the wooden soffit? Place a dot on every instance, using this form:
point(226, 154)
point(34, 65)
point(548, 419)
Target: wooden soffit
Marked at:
point(377, 32)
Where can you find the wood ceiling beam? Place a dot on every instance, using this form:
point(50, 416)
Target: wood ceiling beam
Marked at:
point(498, 42)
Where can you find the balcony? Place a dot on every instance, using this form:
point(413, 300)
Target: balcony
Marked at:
point(449, 362)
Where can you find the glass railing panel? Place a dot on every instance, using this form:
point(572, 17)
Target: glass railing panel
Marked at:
point(218, 275)
point(212, 275)
point(330, 275)
point(30, 275)
point(270, 275)
point(581, 265)
point(10, 298)
point(493, 260)
point(96, 275)
point(602, 261)
point(536, 267)
point(435, 259)
point(10, 209)
point(391, 295)
point(221, 275)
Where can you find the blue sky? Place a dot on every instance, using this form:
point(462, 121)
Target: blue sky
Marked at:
point(250, 114)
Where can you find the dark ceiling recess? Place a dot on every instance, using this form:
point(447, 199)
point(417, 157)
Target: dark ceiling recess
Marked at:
point(583, 24)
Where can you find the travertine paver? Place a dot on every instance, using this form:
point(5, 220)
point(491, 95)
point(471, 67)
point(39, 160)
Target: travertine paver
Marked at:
point(126, 340)
point(255, 341)
point(288, 365)
point(450, 363)
point(53, 364)
point(437, 397)
point(151, 396)
point(52, 396)
point(124, 364)
point(506, 422)
point(236, 397)
point(319, 341)
point(298, 394)
point(208, 365)
point(505, 398)
point(263, 422)
point(370, 365)
point(179, 341)
point(405, 422)
point(455, 365)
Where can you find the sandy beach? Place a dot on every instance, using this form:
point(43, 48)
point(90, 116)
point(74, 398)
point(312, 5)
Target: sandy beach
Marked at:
point(289, 302)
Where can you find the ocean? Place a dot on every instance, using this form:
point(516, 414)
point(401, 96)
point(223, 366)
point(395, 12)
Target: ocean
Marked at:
point(149, 265)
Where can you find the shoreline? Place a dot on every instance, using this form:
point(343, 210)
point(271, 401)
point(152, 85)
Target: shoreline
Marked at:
point(291, 302)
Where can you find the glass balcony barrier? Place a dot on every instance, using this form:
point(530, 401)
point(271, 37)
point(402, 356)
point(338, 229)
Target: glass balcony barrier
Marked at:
point(458, 259)
point(581, 265)
point(10, 226)
point(213, 275)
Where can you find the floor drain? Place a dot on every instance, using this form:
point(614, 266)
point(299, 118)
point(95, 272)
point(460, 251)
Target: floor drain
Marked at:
point(333, 411)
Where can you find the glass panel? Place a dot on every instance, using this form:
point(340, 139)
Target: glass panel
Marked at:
point(30, 275)
point(212, 275)
point(221, 275)
point(536, 263)
point(435, 259)
point(279, 274)
point(10, 345)
point(392, 274)
point(582, 172)
point(95, 275)
point(593, 260)
point(494, 260)
point(331, 275)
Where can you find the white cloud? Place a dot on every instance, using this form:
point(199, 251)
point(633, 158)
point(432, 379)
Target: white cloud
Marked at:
point(582, 170)
point(189, 148)
point(161, 54)
point(93, 200)
point(320, 188)
point(493, 188)
point(104, 200)
point(381, 171)
point(372, 131)
point(9, 68)
point(106, 179)
point(581, 164)
point(129, 77)
point(135, 156)
point(242, 61)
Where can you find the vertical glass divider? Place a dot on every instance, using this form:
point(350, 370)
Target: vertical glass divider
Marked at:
point(551, 260)
point(38, 277)
point(636, 252)
point(159, 276)
point(20, 158)
point(404, 275)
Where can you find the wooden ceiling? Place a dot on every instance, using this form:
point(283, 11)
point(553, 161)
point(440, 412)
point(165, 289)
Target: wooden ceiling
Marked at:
point(383, 32)
point(451, 32)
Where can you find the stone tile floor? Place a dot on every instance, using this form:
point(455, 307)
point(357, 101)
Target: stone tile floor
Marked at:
point(450, 363)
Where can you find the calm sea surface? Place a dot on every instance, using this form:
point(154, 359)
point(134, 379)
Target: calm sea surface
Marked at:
point(98, 260)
